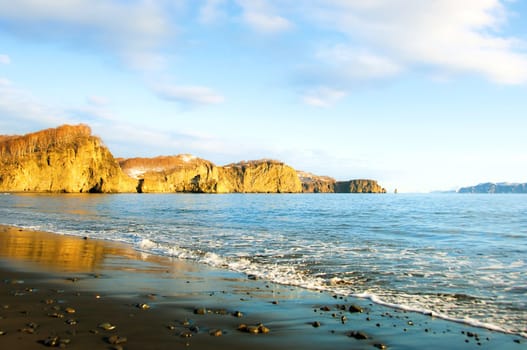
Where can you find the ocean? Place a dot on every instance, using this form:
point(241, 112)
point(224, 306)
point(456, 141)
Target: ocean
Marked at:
point(455, 256)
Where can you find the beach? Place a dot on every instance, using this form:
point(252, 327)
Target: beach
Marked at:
point(79, 293)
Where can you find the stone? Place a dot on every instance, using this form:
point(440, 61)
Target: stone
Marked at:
point(216, 333)
point(355, 308)
point(115, 339)
point(358, 335)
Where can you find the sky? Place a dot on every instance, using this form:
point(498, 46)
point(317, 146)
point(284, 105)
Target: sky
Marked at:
point(419, 95)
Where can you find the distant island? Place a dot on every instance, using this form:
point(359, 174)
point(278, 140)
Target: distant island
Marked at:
point(500, 187)
point(69, 159)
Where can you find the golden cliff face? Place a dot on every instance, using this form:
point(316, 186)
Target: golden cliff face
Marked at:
point(186, 173)
point(323, 184)
point(260, 176)
point(65, 159)
point(70, 159)
point(181, 173)
point(359, 186)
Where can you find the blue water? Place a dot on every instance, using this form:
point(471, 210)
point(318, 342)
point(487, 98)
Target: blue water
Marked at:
point(461, 257)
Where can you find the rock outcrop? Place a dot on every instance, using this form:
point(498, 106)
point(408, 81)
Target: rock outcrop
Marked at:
point(312, 183)
point(490, 187)
point(64, 159)
point(181, 173)
point(359, 186)
point(324, 184)
point(70, 159)
point(259, 176)
point(186, 173)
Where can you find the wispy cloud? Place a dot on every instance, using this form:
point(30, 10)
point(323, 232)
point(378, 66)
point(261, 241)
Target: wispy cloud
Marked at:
point(86, 23)
point(194, 95)
point(358, 63)
point(212, 11)
point(97, 101)
point(445, 35)
point(323, 96)
point(262, 17)
point(4, 59)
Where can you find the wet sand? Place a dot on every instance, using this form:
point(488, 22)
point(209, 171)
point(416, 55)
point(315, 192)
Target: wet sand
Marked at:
point(76, 293)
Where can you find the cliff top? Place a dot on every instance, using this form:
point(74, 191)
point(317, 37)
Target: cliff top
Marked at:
point(12, 146)
point(306, 177)
point(253, 162)
point(136, 167)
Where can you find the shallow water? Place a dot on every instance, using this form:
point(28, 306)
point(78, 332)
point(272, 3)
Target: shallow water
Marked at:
point(461, 257)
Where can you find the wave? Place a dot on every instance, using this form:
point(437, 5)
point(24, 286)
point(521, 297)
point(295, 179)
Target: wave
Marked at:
point(272, 270)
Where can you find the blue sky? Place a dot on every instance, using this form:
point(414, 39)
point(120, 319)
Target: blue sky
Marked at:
point(420, 95)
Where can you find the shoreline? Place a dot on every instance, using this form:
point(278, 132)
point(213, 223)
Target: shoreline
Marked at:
point(160, 302)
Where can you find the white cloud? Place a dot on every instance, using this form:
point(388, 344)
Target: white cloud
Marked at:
point(188, 94)
point(323, 96)
point(358, 64)
point(259, 15)
point(4, 59)
point(131, 29)
point(97, 101)
point(19, 108)
point(447, 35)
point(211, 11)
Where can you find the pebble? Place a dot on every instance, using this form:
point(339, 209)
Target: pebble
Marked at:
point(253, 329)
point(56, 342)
point(216, 333)
point(71, 321)
point(380, 346)
point(27, 330)
point(185, 334)
point(358, 335)
point(355, 308)
point(237, 314)
point(325, 308)
point(107, 326)
point(143, 306)
point(115, 339)
point(2, 332)
point(56, 315)
point(316, 324)
point(70, 310)
point(263, 329)
point(200, 311)
point(343, 319)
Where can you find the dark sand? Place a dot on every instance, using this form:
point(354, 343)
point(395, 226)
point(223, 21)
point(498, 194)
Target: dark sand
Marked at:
point(45, 276)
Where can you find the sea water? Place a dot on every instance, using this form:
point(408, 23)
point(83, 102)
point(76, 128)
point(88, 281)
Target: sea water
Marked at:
point(457, 256)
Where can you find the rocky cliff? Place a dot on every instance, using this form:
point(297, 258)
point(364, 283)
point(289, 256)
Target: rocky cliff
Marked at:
point(260, 176)
point(312, 183)
point(70, 159)
point(324, 184)
point(358, 186)
point(501, 187)
point(181, 173)
point(64, 159)
point(186, 173)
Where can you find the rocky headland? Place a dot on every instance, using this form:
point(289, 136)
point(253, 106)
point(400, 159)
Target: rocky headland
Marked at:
point(490, 187)
point(64, 159)
point(324, 184)
point(70, 159)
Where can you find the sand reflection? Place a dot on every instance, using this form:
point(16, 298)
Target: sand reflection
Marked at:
point(51, 251)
